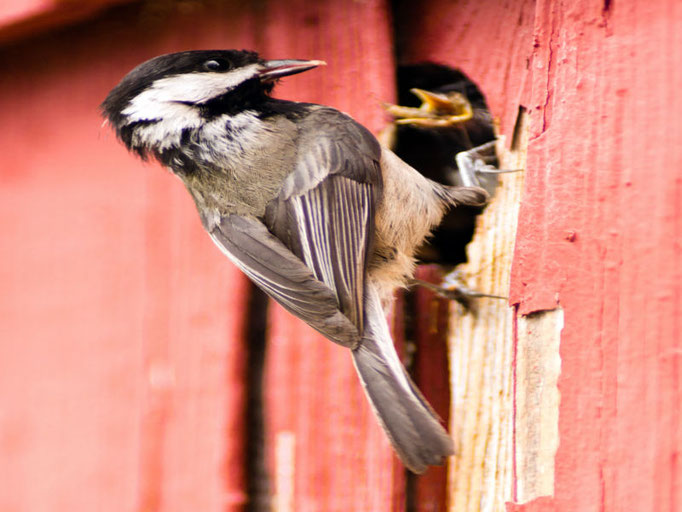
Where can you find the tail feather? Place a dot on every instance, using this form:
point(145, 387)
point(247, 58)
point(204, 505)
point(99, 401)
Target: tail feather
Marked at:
point(411, 425)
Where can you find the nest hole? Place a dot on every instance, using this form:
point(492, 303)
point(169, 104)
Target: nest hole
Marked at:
point(432, 151)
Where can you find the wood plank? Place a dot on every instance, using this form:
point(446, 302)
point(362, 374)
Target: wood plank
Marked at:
point(430, 370)
point(599, 224)
point(482, 359)
point(122, 360)
point(491, 43)
point(599, 235)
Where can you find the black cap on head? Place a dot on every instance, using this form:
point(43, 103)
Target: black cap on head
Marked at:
point(142, 76)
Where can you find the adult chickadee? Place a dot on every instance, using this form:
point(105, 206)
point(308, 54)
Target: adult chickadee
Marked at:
point(304, 201)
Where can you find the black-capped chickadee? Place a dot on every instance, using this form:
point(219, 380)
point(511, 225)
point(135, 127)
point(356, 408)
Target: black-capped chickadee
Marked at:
point(304, 201)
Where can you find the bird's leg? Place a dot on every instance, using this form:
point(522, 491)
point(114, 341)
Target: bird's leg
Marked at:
point(454, 288)
point(476, 163)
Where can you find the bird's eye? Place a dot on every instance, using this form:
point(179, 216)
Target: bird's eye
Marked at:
point(216, 65)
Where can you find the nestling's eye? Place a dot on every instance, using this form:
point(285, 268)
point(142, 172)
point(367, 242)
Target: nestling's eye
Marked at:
point(216, 65)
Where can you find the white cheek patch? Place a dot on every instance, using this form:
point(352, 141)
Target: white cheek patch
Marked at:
point(171, 91)
point(166, 133)
point(171, 103)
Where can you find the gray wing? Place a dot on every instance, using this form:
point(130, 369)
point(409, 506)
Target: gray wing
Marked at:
point(283, 276)
point(325, 210)
point(310, 251)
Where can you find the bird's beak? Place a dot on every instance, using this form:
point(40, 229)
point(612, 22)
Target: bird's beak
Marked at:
point(433, 101)
point(436, 110)
point(274, 69)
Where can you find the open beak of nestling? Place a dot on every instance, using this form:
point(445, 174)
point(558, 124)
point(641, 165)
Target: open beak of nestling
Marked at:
point(274, 69)
point(436, 110)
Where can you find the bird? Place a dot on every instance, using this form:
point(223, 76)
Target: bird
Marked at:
point(440, 122)
point(304, 201)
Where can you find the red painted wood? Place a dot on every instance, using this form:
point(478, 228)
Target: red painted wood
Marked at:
point(120, 356)
point(431, 373)
point(604, 182)
point(599, 230)
point(22, 18)
point(120, 360)
point(342, 458)
point(123, 381)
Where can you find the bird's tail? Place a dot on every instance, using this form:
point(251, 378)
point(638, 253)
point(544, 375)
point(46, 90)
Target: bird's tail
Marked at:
point(411, 425)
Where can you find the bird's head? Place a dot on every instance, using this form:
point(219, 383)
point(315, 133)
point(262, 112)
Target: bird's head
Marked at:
point(171, 93)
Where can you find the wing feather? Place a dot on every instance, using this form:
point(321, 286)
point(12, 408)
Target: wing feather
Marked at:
point(334, 224)
point(325, 211)
point(311, 249)
point(283, 276)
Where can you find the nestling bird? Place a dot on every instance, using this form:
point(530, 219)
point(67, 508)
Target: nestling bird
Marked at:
point(304, 201)
point(441, 122)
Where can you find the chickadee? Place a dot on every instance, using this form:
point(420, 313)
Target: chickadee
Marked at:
point(304, 201)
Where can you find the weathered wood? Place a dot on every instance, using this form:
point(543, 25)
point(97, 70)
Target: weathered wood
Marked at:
point(598, 236)
point(481, 39)
point(482, 357)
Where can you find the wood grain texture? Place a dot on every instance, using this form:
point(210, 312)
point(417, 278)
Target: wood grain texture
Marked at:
point(537, 365)
point(482, 358)
point(599, 226)
point(492, 44)
point(600, 235)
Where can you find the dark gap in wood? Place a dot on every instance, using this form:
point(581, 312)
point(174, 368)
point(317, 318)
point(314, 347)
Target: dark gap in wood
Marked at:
point(258, 496)
point(518, 124)
point(409, 310)
point(411, 491)
point(607, 10)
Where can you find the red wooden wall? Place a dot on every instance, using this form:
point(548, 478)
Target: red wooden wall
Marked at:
point(121, 326)
point(600, 227)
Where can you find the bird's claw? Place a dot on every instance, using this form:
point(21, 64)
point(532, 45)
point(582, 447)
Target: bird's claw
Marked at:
point(475, 166)
point(454, 288)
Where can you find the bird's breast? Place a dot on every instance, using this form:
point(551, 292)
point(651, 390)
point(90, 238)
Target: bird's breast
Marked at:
point(242, 163)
